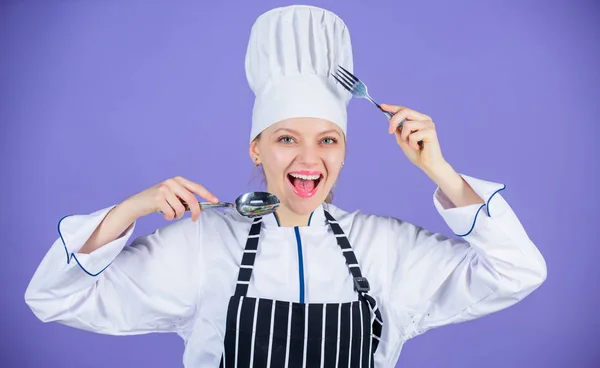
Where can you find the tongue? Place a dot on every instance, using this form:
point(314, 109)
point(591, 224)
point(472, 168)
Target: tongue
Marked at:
point(304, 185)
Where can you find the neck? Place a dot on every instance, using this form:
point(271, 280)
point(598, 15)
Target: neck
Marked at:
point(287, 218)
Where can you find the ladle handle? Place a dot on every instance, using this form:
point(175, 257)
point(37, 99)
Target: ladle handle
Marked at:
point(206, 205)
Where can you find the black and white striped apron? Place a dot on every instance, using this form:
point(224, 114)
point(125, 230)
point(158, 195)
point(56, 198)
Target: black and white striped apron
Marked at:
point(273, 333)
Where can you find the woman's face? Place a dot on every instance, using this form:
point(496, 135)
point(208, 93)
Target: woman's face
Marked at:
point(301, 158)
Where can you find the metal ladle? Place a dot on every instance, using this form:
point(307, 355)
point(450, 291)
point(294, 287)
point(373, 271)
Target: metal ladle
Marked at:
point(251, 204)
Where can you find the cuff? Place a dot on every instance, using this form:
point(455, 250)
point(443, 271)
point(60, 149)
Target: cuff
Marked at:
point(462, 220)
point(75, 230)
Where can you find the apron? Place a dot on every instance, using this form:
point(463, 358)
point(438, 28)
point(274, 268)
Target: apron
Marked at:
point(274, 333)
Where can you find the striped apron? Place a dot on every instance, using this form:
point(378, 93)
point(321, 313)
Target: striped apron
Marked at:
point(274, 333)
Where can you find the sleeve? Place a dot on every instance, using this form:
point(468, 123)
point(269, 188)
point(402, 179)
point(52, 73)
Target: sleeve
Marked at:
point(149, 286)
point(492, 264)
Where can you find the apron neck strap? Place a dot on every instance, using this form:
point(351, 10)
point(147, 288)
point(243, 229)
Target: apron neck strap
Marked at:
point(361, 284)
point(248, 258)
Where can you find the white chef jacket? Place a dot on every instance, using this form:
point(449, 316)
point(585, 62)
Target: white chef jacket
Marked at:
point(180, 278)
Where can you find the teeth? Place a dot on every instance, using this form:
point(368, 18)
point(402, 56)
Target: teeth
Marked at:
point(305, 177)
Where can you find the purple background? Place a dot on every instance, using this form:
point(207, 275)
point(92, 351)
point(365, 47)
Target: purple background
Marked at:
point(101, 99)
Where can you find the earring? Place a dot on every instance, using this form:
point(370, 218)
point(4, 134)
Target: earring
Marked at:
point(342, 164)
point(255, 161)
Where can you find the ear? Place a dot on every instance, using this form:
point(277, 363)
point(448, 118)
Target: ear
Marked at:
point(253, 150)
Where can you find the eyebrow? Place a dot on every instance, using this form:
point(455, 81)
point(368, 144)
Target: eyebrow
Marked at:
point(295, 132)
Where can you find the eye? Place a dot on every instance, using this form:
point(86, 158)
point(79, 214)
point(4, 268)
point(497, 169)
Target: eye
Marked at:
point(286, 139)
point(329, 140)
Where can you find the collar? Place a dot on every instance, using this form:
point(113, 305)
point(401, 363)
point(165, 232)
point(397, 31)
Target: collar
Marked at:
point(316, 219)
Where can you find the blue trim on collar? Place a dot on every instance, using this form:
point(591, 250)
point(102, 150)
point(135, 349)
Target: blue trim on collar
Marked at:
point(279, 225)
point(276, 220)
point(310, 218)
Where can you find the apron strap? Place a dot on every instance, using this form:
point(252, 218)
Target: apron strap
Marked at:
point(361, 284)
point(376, 320)
point(245, 271)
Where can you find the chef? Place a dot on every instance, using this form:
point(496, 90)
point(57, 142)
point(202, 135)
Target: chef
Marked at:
point(310, 285)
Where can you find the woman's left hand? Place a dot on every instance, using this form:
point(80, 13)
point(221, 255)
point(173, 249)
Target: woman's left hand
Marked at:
point(417, 127)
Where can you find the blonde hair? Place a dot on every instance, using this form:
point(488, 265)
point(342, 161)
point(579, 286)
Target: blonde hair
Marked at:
point(328, 199)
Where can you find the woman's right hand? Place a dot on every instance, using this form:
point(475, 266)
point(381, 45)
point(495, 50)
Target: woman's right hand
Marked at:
point(167, 197)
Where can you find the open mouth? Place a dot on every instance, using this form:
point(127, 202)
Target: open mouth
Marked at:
point(305, 184)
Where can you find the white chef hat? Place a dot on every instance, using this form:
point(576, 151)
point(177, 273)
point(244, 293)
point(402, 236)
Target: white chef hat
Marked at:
point(291, 55)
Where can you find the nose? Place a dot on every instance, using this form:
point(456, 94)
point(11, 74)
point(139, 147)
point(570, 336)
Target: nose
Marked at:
point(308, 155)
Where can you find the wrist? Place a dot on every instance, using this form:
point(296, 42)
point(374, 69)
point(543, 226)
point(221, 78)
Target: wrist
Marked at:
point(453, 186)
point(128, 210)
point(440, 172)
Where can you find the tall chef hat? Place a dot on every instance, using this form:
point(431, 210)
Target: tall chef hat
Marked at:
point(291, 55)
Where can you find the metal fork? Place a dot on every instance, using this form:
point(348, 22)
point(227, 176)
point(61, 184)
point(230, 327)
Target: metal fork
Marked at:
point(358, 89)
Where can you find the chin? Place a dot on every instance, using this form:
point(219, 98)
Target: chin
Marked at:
point(303, 206)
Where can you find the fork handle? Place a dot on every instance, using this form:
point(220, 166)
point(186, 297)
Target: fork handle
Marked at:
point(390, 115)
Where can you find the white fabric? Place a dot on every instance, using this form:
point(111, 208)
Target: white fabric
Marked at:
point(291, 53)
point(180, 278)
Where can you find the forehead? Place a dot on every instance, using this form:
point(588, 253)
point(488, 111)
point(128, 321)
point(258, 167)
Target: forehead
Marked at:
point(305, 126)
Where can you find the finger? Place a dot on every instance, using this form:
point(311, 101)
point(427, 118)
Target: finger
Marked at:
point(424, 136)
point(409, 127)
point(176, 204)
point(391, 108)
point(414, 126)
point(190, 199)
point(167, 211)
point(198, 189)
point(408, 114)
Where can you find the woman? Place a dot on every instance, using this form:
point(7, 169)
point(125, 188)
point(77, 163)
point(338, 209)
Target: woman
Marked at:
point(311, 285)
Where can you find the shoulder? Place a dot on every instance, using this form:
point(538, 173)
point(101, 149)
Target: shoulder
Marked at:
point(360, 220)
point(376, 231)
point(220, 220)
point(211, 222)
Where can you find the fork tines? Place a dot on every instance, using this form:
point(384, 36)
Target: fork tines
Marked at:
point(345, 78)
